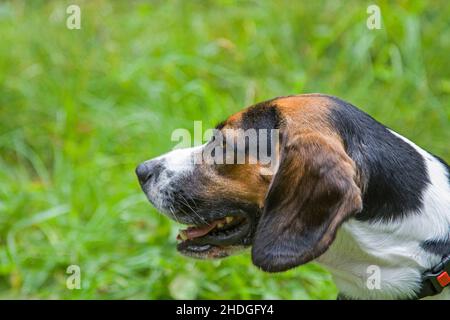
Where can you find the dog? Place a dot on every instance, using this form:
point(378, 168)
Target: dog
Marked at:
point(345, 192)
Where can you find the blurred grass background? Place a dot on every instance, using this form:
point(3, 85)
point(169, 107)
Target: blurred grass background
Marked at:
point(80, 108)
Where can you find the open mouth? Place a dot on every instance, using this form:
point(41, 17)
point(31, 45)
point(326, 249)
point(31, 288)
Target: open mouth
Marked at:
point(217, 238)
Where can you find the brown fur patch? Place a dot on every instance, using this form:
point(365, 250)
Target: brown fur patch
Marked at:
point(306, 113)
point(303, 117)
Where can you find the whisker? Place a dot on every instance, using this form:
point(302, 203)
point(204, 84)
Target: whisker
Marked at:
point(192, 201)
point(196, 221)
point(173, 213)
point(187, 204)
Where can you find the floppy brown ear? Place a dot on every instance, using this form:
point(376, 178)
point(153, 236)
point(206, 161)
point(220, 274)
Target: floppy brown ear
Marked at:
point(311, 194)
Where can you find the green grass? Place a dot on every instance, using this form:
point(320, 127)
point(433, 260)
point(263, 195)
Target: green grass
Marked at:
point(80, 108)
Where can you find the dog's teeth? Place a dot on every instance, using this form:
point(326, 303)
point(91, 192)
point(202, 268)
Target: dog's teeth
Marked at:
point(228, 219)
point(220, 225)
point(183, 236)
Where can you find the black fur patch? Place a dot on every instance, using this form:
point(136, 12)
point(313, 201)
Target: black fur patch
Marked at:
point(440, 247)
point(220, 125)
point(394, 172)
point(263, 115)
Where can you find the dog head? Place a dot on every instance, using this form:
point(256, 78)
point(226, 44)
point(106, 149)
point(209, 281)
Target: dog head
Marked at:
point(288, 210)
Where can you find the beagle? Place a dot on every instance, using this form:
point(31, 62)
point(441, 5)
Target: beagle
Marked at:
point(346, 192)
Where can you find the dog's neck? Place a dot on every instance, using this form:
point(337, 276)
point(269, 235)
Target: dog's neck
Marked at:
point(386, 259)
point(379, 261)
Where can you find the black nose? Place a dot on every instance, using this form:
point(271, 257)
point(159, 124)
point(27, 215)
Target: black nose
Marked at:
point(147, 170)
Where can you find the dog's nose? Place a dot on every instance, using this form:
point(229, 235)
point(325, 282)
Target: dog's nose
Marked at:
point(147, 170)
point(142, 172)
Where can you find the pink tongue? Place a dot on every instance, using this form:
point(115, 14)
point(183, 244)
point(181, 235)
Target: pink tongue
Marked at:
point(196, 232)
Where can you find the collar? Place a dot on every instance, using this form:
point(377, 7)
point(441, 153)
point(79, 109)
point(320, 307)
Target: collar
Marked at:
point(435, 279)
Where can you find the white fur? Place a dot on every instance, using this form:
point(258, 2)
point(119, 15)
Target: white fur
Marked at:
point(180, 160)
point(394, 246)
point(176, 163)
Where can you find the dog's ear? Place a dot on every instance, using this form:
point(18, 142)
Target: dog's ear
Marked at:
point(311, 194)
